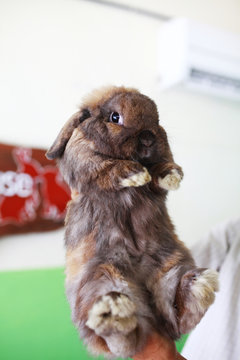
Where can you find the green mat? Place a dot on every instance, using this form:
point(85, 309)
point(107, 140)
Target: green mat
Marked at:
point(35, 319)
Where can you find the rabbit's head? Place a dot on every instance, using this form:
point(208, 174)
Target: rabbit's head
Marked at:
point(119, 123)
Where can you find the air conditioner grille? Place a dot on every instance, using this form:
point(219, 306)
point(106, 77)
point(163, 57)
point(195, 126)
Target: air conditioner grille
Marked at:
point(215, 80)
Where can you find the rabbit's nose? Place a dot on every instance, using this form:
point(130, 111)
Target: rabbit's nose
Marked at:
point(146, 138)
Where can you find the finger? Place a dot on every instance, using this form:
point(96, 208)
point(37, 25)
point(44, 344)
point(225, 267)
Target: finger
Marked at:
point(158, 348)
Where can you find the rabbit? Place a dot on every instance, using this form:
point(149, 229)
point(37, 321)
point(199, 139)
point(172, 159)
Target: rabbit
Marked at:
point(127, 273)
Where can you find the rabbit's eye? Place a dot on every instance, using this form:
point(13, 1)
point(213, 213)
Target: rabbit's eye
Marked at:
point(116, 118)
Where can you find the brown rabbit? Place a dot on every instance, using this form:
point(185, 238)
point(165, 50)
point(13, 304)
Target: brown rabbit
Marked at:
point(127, 273)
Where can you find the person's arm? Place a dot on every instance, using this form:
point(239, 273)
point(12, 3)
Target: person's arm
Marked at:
point(213, 248)
point(159, 348)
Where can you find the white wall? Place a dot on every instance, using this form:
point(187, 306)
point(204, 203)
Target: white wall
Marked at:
point(52, 52)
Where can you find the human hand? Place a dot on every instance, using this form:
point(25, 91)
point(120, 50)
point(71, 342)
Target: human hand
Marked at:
point(159, 348)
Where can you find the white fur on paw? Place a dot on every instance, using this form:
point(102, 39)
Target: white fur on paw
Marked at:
point(112, 314)
point(201, 296)
point(170, 181)
point(204, 287)
point(139, 179)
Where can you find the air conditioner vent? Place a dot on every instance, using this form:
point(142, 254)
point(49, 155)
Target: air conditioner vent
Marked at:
point(199, 57)
point(214, 80)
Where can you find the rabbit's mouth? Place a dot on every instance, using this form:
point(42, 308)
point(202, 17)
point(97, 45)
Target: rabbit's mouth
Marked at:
point(147, 156)
point(146, 148)
point(145, 153)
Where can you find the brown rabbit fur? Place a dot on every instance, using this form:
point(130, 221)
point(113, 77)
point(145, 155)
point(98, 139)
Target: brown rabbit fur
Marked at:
point(127, 273)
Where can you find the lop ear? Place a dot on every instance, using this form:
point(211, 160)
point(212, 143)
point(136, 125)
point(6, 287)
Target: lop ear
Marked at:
point(58, 147)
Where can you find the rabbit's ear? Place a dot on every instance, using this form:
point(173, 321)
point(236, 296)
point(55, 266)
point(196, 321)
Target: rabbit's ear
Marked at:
point(58, 147)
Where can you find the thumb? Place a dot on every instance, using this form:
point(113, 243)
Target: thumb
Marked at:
point(158, 348)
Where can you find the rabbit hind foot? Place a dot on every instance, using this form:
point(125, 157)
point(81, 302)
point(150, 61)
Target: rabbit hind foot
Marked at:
point(199, 286)
point(113, 318)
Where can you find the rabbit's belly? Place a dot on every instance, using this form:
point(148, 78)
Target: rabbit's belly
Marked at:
point(125, 226)
point(127, 234)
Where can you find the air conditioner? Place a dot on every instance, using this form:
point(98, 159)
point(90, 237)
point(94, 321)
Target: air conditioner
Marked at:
point(199, 57)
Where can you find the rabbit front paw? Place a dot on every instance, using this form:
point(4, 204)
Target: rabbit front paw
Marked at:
point(170, 181)
point(139, 179)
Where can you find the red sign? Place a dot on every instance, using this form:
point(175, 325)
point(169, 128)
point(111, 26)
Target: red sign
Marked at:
point(32, 191)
